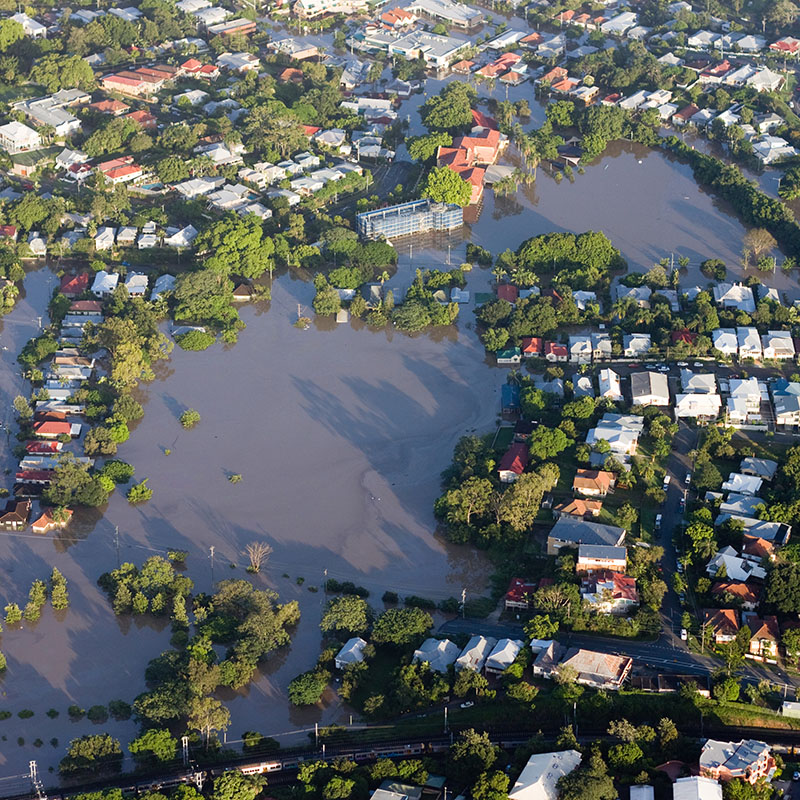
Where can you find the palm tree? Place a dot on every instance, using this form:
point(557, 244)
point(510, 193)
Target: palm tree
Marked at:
point(499, 272)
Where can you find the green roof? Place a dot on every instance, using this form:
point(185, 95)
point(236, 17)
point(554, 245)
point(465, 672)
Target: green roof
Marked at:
point(32, 157)
point(510, 353)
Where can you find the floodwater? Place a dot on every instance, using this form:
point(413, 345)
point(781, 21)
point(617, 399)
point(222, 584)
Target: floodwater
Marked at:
point(339, 433)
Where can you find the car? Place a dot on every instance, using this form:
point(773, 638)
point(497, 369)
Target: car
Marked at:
point(663, 368)
point(468, 704)
point(682, 597)
point(658, 521)
point(685, 636)
point(650, 366)
point(683, 363)
point(666, 482)
point(683, 504)
point(680, 567)
point(697, 364)
point(688, 479)
point(796, 776)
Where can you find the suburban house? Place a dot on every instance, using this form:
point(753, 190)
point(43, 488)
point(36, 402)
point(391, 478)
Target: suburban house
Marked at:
point(696, 788)
point(603, 557)
point(513, 462)
point(749, 760)
point(635, 345)
point(555, 352)
point(539, 778)
point(570, 532)
point(74, 285)
point(593, 482)
point(49, 429)
point(703, 407)
point(105, 283)
point(764, 468)
point(733, 591)
point(649, 389)
point(16, 515)
point(764, 636)
point(580, 349)
point(351, 653)
point(734, 566)
point(598, 670)
point(474, 655)
point(502, 656)
point(777, 344)
point(722, 624)
point(578, 508)
point(620, 431)
point(47, 522)
point(531, 346)
point(745, 484)
point(519, 594)
point(735, 295)
point(16, 138)
point(749, 343)
point(511, 356)
point(609, 384)
point(698, 382)
point(726, 341)
point(439, 654)
point(610, 592)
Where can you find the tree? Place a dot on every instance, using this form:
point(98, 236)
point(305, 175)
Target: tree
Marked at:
point(88, 754)
point(759, 241)
point(423, 148)
point(467, 681)
point(791, 644)
point(189, 418)
point(541, 627)
point(59, 598)
point(521, 502)
point(306, 689)
point(401, 626)
point(23, 408)
point(348, 615)
point(156, 744)
point(491, 786)
point(233, 785)
point(258, 553)
point(60, 71)
point(470, 755)
point(783, 587)
point(207, 715)
point(590, 781)
point(547, 443)
point(445, 186)
point(11, 32)
point(473, 497)
point(236, 245)
point(451, 110)
point(139, 493)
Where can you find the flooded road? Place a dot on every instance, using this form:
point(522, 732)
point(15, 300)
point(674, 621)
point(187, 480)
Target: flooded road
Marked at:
point(339, 433)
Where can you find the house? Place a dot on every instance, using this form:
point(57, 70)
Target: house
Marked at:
point(734, 566)
point(787, 409)
point(620, 431)
point(49, 429)
point(610, 592)
point(531, 346)
point(351, 653)
point(474, 655)
point(601, 557)
point(733, 591)
point(741, 505)
point(635, 345)
point(539, 778)
point(577, 507)
point(735, 295)
point(649, 389)
point(593, 482)
point(238, 62)
point(722, 624)
point(554, 352)
point(704, 407)
point(598, 670)
point(136, 284)
point(502, 656)
point(74, 285)
point(569, 532)
point(698, 382)
point(609, 384)
point(37, 244)
point(519, 594)
point(32, 28)
point(764, 638)
point(16, 515)
point(640, 295)
point(696, 788)
point(47, 522)
point(748, 760)
point(770, 149)
point(511, 356)
point(764, 468)
point(181, 238)
point(439, 654)
point(580, 349)
point(509, 399)
point(726, 341)
point(777, 344)
point(745, 484)
point(105, 283)
point(749, 343)
point(17, 138)
point(513, 462)
point(582, 385)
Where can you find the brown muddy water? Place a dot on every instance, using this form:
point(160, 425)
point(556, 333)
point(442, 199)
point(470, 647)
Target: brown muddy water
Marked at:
point(339, 433)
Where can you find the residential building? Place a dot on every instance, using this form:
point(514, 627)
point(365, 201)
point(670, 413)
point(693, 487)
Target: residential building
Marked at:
point(748, 760)
point(771, 149)
point(511, 356)
point(580, 349)
point(456, 15)
point(765, 636)
point(104, 238)
point(598, 670)
point(239, 62)
point(16, 515)
point(554, 352)
point(569, 532)
point(502, 656)
point(417, 216)
point(734, 566)
point(649, 389)
point(703, 407)
point(32, 28)
point(104, 283)
point(136, 284)
point(745, 484)
point(351, 653)
point(777, 344)
point(735, 295)
point(16, 138)
point(438, 653)
point(519, 594)
point(601, 557)
point(696, 788)
point(621, 432)
point(47, 522)
point(474, 655)
point(636, 345)
point(513, 462)
point(578, 508)
point(726, 341)
point(609, 385)
point(539, 778)
point(787, 409)
point(722, 624)
point(733, 591)
point(764, 468)
point(593, 482)
point(749, 343)
point(233, 27)
point(531, 346)
point(582, 385)
point(610, 593)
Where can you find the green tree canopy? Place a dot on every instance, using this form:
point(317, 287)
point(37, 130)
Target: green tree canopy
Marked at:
point(445, 186)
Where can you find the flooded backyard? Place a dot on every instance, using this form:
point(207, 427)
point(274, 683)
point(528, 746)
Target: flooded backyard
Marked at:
point(339, 433)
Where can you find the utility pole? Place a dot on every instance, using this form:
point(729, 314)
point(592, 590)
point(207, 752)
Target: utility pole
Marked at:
point(116, 543)
point(185, 750)
point(463, 603)
point(211, 552)
point(445, 719)
point(36, 784)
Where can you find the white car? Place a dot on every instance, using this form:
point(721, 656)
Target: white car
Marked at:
point(468, 704)
point(688, 478)
point(683, 363)
point(684, 634)
point(663, 368)
point(697, 364)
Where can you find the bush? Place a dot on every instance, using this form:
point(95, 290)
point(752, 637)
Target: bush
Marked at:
point(139, 493)
point(118, 471)
point(412, 601)
point(348, 587)
point(177, 556)
point(196, 340)
point(390, 597)
point(97, 714)
point(26, 713)
point(189, 418)
point(52, 713)
point(76, 712)
point(306, 689)
point(5, 715)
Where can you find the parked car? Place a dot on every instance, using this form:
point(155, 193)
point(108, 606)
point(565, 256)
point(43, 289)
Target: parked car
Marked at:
point(688, 479)
point(468, 704)
point(658, 521)
point(796, 776)
point(683, 363)
point(697, 364)
point(666, 483)
point(683, 504)
point(663, 368)
point(684, 637)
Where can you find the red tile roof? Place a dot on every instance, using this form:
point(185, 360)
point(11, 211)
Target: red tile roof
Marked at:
point(507, 291)
point(515, 459)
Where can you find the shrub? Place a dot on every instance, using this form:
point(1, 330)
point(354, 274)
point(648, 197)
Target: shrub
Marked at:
point(26, 713)
point(97, 714)
point(189, 418)
point(76, 712)
point(390, 597)
point(118, 471)
point(177, 556)
point(412, 601)
point(139, 493)
point(4, 714)
point(195, 340)
point(347, 587)
point(52, 713)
